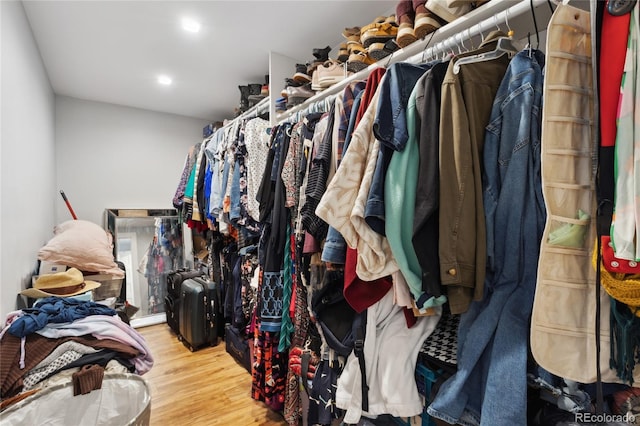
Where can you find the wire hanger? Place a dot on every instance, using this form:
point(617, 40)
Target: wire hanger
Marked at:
point(427, 46)
point(535, 25)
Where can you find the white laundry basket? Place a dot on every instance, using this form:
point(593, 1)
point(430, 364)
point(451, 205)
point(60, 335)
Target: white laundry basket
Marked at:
point(124, 399)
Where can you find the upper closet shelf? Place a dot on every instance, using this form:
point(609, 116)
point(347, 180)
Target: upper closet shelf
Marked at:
point(464, 33)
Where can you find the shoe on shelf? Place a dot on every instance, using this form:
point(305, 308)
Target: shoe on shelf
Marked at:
point(378, 33)
point(328, 74)
point(311, 67)
point(343, 53)
point(426, 22)
point(301, 74)
point(255, 100)
point(289, 82)
point(352, 34)
point(321, 55)
point(356, 48)
point(297, 95)
point(447, 12)
point(381, 50)
point(255, 94)
point(254, 88)
point(315, 84)
point(244, 98)
point(359, 61)
point(281, 104)
point(405, 21)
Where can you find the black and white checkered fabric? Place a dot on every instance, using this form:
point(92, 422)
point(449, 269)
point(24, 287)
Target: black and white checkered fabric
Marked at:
point(442, 344)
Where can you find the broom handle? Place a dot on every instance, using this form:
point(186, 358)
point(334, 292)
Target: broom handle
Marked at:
point(64, 197)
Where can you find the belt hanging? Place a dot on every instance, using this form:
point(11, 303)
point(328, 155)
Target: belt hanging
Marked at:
point(593, 8)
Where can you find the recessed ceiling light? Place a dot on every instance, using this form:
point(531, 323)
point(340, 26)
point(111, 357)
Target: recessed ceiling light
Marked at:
point(164, 80)
point(190, 25)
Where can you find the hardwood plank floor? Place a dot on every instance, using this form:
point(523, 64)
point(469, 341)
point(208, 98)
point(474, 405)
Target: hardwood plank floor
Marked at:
point(205, 388)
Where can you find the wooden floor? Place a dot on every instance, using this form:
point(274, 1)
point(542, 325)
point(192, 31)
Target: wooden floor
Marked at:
point(205, 388)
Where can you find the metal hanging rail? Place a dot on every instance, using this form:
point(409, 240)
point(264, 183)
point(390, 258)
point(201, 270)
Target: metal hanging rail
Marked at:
point(474, 24)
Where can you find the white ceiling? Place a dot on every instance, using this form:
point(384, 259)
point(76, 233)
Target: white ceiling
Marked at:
point(113, 51)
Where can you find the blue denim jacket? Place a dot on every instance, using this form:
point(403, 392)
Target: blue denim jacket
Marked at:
point(490, 385)
point(390, 128)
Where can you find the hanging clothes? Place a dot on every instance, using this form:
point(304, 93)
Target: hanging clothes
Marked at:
point(178, 198)
point(493, 333)
point(391, 351)
point(426, 220)
point(334, 249)
point(275, 237)
point(466, 106)
point(400, 185)
point(390, 128)
point(374, 259)
point(625, 227)
point(317, 181)
point(615, 32)
point(257, 139)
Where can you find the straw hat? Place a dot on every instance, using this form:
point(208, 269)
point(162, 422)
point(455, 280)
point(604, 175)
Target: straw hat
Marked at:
point(61, 284)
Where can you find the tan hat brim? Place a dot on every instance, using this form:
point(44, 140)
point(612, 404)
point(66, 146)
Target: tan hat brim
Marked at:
point(36, 293)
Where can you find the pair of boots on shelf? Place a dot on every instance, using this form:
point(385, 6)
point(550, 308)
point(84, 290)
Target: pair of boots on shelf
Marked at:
point(417, 18)
point(253, 93)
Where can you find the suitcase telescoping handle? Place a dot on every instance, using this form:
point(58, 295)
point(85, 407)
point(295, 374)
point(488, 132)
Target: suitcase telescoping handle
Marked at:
point(209, 306)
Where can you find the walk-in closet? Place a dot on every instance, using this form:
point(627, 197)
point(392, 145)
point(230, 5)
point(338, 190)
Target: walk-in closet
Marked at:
point(400, 212)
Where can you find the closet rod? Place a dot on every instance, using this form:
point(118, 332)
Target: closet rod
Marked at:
point(478, 21)
point(252, 112)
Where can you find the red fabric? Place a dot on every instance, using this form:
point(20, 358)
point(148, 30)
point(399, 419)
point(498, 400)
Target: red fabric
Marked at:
point(409, 317)
point(614, 264)
point(358, 293)
point(369, 90)
point(615, 32)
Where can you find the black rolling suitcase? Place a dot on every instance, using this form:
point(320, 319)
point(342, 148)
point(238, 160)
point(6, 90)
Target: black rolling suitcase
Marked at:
point(197, 319)
point(175, 279)
point(172, 299)
point(172, 310)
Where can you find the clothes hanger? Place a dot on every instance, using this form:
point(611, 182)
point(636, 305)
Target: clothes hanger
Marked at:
point(504, 46)
point(481, 33)
point(461, 45)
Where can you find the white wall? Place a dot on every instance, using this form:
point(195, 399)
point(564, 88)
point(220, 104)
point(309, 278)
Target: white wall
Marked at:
point(27, 169)
point(111, 156)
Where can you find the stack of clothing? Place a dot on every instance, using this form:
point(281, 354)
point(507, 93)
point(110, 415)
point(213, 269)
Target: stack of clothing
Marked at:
point(66, 339)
